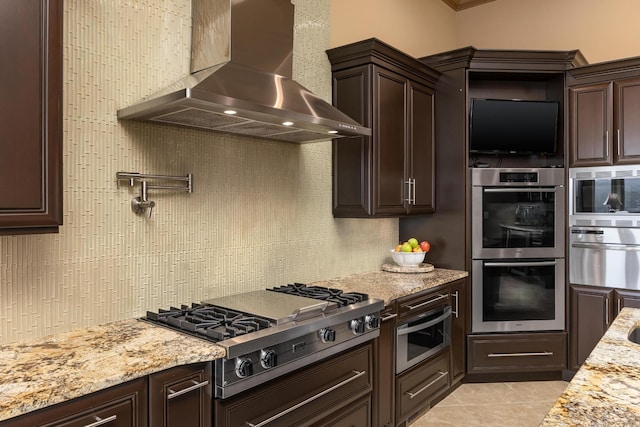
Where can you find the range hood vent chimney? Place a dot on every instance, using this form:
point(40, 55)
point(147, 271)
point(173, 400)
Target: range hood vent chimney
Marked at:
point(240, 82)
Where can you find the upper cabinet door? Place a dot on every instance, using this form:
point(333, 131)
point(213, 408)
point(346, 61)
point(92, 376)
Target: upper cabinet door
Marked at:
point(421, 153)
point(30, 116)
point(591, 130)
point(627, 121)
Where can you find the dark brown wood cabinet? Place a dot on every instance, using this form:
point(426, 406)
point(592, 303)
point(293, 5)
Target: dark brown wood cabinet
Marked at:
point(458, 330)
point(311, 396)
point(592, 310)
point(517, 353)
point(604, 103)
point(181, 396)
point(391, 173)
point(31, 112)
point(120, 406)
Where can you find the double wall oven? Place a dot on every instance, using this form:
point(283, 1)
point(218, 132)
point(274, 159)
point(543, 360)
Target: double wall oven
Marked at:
point(517, 249)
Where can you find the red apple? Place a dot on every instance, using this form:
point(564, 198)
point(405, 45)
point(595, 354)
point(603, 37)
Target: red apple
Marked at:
point(425, 246)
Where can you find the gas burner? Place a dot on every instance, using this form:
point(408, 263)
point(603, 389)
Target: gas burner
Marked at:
point(214, 323)
point(321, 293)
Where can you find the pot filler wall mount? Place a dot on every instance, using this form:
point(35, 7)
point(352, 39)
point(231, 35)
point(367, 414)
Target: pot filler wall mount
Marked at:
point(240, 81)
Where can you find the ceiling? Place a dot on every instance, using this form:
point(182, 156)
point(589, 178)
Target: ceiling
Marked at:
point(464, 4)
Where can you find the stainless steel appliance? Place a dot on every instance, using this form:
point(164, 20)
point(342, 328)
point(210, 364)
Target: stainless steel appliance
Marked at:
point(269, 333)
point(517, 246)
point(605, 256)
point(605, 196)
point(240, 81)
point(517, 213)
point(517, 295)
point(424, 334)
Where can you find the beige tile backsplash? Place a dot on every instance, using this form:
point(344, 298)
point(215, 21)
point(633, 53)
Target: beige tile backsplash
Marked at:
point(260, 213)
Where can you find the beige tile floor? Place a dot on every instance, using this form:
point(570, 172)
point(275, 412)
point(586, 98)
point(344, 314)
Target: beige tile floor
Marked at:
point(522, 404)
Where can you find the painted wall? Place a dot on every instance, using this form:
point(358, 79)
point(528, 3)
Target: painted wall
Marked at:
point(603, 30)
point(416, 27)
point(260, 214)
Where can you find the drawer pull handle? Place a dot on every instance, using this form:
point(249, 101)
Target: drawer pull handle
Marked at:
point(431, 301)
point(389, 317)
point(540, 353)
point(442, 375)
point(456, 295)
point(102, 421)
point(195, 386)
point(357, 375)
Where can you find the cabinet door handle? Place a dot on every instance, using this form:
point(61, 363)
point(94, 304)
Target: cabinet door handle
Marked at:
point(408, 199)
point(606, 312)
point(195, 386)
point(431, 301)
point(607, 144)
point(440, 376)
point(357, 375)
point(102, 421)
point(619, 304)
point(456, 296)
point(414, 191)
point(619, 152)
point(539, 353)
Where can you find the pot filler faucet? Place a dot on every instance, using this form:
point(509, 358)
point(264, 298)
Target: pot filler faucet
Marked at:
point(141, 204)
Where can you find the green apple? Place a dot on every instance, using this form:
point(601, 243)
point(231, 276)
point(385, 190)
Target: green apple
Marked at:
point(406, 247)
point(413, 242)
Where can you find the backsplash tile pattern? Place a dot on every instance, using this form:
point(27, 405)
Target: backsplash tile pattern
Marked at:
point(260, 213)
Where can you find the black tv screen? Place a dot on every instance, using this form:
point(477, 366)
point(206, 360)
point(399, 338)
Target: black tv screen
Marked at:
point(513, 126)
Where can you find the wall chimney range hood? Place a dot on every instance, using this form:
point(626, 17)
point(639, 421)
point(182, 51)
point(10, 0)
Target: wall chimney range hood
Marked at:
point(240, 81)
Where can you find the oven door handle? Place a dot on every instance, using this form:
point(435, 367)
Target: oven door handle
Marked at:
point(606, 246)
point(408, 330)
point(521, 189)
point(521, 264)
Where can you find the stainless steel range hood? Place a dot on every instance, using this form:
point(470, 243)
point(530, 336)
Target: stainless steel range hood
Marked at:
point(240, 82)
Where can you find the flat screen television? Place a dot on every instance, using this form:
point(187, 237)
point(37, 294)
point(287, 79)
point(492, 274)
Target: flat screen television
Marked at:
point(513, 126)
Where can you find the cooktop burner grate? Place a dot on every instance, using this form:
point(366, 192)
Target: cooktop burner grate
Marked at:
point(214, 323)
point(321, 293)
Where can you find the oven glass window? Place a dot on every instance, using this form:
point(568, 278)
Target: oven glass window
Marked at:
point(424, 340)
point(518, 218)
point(514, 293)
point(606, 195)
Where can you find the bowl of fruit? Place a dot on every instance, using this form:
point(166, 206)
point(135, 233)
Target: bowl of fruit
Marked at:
point(410, 253)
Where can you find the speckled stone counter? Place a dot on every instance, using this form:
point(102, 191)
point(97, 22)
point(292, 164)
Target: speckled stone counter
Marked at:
point(43, 372)
point(391, 286)
point(606, 390)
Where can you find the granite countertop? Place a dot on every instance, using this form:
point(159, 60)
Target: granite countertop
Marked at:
point(391, 286)
point(606, 389)
point(42, 372)
point(53, 369)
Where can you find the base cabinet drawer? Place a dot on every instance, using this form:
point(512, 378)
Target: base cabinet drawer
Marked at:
point(533, 352)
point(356, 415)
point(418, 386)
point(120, 406)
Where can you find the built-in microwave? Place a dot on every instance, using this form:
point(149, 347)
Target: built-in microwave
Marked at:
point(605, 196)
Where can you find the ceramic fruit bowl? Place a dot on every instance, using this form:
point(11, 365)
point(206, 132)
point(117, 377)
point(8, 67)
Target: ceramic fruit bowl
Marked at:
point(407, 259)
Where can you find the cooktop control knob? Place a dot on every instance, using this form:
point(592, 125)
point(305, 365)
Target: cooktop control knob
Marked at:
point(372, 321)
point(244, 367)
point(357, 326)
point(327, 334)
point(268, 358)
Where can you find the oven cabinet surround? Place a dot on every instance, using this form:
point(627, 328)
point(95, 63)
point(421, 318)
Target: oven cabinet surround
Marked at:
point(591, 311)
point(31, 108)
point(604, 106)
point(181, 396)
point(124, 405)
point(391, 173)
point(469, 73)
point(334, 392)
